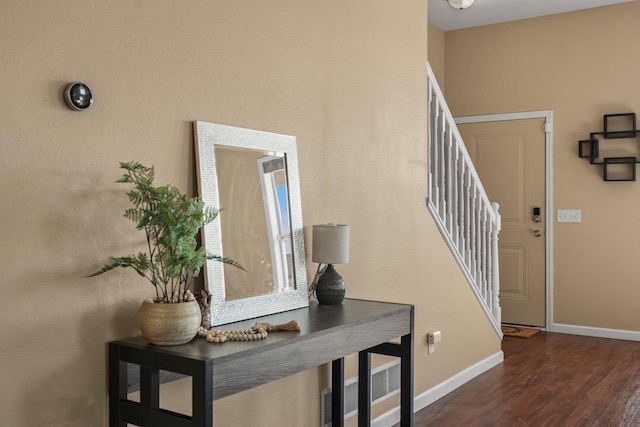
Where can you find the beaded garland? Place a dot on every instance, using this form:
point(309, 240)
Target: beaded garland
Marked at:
point(259, 331)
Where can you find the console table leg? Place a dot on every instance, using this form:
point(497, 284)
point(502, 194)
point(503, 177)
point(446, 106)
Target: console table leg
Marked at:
point(202, 395)
point(117, 386)
point(364, 389)
point(149, 393)
point(337, 393)
point(406, 381)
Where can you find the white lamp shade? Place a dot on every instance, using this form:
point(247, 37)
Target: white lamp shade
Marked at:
point(460, 4)
point(331, 244)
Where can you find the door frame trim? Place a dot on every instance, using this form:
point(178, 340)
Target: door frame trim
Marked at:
point(547, 115)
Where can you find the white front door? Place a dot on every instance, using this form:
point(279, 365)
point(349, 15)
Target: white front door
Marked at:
point(509, 157)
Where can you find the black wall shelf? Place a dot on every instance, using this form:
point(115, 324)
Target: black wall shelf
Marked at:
point(615, 126)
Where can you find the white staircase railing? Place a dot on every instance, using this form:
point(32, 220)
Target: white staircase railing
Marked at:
point(467, 220)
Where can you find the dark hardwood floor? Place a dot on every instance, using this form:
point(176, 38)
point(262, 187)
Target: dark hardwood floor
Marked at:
point(548, 380)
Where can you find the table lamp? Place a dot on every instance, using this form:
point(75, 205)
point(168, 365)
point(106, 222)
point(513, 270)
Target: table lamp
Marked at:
point(330, 246)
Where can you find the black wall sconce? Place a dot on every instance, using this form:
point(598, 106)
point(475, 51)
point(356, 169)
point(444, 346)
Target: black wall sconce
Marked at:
point(78, 96)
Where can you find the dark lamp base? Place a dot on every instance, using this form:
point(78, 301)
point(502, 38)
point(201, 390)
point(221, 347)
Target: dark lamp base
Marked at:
point(330, 289)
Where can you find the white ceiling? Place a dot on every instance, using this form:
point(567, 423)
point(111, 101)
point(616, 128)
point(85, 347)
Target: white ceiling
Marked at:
point(484, 12)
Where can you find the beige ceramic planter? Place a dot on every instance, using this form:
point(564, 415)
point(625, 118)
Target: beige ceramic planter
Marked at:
point(169, 324)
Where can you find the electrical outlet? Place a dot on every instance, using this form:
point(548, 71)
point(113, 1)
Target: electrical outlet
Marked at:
point(433, 337)
point(569, 215)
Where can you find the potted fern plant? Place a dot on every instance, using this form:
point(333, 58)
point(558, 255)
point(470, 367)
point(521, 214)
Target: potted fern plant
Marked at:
point(171, 222)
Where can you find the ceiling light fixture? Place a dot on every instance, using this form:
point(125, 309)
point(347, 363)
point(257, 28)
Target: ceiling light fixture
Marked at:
point(460, 4)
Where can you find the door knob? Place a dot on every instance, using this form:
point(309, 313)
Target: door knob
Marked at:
point(537, 233)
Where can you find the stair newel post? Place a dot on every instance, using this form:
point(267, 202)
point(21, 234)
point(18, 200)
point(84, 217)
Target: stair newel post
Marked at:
point(495, 267)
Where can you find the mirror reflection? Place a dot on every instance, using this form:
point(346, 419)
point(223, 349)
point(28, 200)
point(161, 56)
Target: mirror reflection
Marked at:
point(252, 186)
point(253, 177)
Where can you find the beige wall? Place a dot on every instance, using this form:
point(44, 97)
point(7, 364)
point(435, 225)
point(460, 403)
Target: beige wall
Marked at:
point(580, 65)
point(436, 57)
point(346, 78)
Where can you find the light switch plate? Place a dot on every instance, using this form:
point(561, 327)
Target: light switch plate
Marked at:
point(569, 215)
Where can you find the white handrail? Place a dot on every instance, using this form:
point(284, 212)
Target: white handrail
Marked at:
point(467, 220)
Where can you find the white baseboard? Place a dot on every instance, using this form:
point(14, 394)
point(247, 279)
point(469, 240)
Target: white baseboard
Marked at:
point(425, 399)
point(619, 334)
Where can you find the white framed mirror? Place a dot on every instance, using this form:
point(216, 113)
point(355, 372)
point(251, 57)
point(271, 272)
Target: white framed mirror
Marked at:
point(252, 176)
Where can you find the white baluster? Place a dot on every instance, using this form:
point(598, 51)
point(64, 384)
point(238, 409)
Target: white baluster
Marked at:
point(495, 268)
point(478, 270)
point(448, 172)
point(454, 197)
point(483, 271)
point(468, 218)
point(429, 141)
point(474, 236)
point(434, 151)
point(490, 228)
point(462, 212)
point(441, 164)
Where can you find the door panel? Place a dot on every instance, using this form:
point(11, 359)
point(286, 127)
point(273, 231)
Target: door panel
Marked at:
point(510, 159)
point(514, 282)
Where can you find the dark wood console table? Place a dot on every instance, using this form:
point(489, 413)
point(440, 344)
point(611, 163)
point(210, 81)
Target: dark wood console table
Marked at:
point(328, 334)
